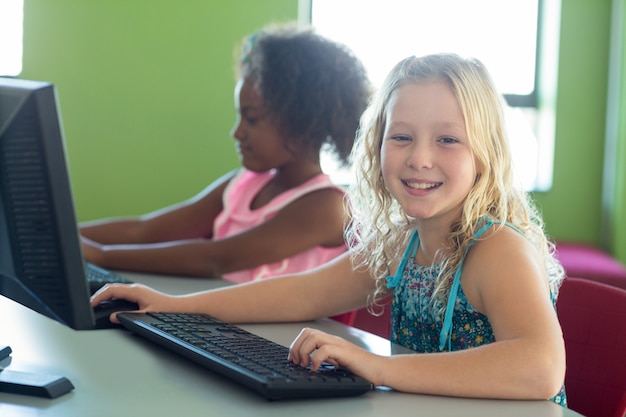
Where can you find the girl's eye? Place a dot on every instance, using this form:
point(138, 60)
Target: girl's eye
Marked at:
point(255, 117)
point(401, 138)
point(446, 139)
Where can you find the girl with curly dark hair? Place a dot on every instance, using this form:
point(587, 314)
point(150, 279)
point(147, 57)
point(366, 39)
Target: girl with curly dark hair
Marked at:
point(297, 92)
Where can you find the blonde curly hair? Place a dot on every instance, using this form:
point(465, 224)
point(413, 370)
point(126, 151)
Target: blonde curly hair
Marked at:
point(379, 230)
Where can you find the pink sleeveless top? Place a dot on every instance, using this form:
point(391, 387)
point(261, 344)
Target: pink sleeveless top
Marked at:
point(237, 216)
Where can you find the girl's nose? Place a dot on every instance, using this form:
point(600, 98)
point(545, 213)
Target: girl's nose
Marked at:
point(420, 156)
point(237, 130)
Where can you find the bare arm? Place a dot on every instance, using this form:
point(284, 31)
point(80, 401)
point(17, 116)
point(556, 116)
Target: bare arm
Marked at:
point(315, 219)
point(325, 291)
point(503, 279)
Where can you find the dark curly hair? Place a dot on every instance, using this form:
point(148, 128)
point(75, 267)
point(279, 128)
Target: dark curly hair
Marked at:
point(315, 89)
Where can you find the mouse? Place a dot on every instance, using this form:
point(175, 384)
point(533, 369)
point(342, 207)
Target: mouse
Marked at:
point(102, 311)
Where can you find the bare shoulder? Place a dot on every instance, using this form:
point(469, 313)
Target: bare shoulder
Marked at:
point(506, 245)
point(320, 213)
point(504, 262)
point(327, 203)
point(315, 219)
point(328, 200)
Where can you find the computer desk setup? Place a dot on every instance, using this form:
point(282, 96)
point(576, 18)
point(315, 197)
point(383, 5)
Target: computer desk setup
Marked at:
point(58, 364)
point(117, 373)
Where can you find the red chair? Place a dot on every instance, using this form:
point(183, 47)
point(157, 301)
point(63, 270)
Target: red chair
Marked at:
point(379, 325)
point(346, 318)
point(593, 319)
point(585, 261)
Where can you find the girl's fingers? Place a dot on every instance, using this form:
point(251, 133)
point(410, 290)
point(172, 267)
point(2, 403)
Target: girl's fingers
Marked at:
point(128, 292)
point(312, 347)
point(295, 350)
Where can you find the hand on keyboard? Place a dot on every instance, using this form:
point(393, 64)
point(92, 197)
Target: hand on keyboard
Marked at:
point(247, 358)
point(314, 348)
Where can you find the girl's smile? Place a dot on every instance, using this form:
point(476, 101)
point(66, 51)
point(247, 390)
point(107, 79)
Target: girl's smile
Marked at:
point(421, 185)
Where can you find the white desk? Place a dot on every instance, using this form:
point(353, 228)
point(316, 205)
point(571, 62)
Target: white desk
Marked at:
point(118, 374)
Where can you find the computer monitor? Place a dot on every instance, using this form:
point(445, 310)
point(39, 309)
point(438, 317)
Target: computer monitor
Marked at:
point(41, 262)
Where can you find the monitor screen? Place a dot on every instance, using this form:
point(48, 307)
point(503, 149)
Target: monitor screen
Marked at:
point(41, 262)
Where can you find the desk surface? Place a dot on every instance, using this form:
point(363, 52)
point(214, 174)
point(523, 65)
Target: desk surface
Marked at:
point(117, 373)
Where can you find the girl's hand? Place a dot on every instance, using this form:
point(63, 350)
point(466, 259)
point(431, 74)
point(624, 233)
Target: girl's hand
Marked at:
point(314, 347)
point(147, 298)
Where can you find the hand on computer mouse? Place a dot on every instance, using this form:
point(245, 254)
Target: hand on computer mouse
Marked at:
point(141, 296)
point(105, 312)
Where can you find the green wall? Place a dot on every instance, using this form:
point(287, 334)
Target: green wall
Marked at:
point(146, 93)
point(572, 208)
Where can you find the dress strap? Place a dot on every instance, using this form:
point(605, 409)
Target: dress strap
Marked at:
point(410, 252)
point(446, 333)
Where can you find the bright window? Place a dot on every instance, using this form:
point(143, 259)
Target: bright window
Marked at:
point(501, 33)
point(11, 18)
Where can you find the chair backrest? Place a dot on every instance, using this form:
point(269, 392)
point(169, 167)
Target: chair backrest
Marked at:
point(593, 319)
point(585, 261)
point(346, 318)
point(379, 325)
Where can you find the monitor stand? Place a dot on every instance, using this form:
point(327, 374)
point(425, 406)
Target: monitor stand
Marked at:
point(26, 383)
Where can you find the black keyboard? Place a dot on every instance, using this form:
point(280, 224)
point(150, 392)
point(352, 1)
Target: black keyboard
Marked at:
point(97, 277)
point(244, 357)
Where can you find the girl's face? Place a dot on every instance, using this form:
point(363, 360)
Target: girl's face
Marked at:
point(259, 143)
point(426, 160)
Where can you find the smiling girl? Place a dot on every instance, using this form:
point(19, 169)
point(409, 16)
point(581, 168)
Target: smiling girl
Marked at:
point(438, 224)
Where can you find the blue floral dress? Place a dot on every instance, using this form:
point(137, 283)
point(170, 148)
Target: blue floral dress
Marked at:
point(416, 322)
